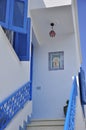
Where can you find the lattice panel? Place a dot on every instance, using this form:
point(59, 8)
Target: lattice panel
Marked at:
point(13, 104)
point(70, 118)
point(72, 111)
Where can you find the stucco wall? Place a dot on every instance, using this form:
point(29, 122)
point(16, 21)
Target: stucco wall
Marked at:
point(51, 89)
point(13, 73)
point(19, 119)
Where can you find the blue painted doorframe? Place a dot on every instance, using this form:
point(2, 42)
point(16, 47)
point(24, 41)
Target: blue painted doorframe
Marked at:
point(31, 70)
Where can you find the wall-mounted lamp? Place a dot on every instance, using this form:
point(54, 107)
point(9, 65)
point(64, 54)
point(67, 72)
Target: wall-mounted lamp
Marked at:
point(52, 32)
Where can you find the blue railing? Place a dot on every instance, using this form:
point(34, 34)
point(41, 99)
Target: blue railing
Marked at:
point(70, 118)
point(13, 104)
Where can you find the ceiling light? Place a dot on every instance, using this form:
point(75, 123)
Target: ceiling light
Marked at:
point(52, 32)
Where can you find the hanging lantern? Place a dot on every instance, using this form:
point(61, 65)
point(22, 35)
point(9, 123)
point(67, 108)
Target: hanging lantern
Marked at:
point(52, 32)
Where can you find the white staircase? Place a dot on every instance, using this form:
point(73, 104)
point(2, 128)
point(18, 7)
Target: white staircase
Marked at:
point(46, 125)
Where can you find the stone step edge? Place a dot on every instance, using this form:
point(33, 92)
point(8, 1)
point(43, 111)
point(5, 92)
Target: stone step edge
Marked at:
point(40, 120)
point(36, 123)
point(44, 125)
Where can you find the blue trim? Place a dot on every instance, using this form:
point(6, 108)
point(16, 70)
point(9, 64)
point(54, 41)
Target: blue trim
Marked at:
point(16, 28)
point(18, 45)
point(31, 63)
point(16, 42)
point(5, 24)
point(28, 37)
point(31, 71)
point(9, 17)
point(82, 86)
point(10, 12)
point(25, 15)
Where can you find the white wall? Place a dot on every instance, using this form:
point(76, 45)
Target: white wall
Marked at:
point(51, 89)
point(13, 73)
point(48, 3)
point(19, 119)
point(76, 30)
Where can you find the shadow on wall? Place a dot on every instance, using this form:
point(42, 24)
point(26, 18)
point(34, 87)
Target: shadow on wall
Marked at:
point(37, 4)
point(48, 3)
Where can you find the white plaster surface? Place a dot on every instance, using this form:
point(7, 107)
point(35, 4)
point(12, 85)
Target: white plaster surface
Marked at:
point(51, 89)
point(19, 119)
point(13, 73)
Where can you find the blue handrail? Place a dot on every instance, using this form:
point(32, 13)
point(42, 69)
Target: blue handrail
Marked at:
point(13, 104)
point(70, 117)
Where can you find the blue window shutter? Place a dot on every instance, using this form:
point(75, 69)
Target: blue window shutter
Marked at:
point(82, 86)
point(4, 12)
point(18, 15)
point(22, 43)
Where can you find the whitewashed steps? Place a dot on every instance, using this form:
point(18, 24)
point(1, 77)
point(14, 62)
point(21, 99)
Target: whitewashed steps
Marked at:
point(46, 125)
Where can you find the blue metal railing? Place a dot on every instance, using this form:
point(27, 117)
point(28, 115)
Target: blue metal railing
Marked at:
point(13, 104)
point(70, 118)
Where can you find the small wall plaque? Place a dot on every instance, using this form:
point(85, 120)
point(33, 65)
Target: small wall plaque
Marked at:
point(56, 60)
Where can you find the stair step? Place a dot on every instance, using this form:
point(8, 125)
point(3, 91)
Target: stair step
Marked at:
point(43, 123)
point(46, 125)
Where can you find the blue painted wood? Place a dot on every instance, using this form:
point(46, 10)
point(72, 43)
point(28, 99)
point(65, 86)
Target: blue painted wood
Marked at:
point(18, 15)
point(13, 15)
point(31, 70)
point(13, 104)
point(4, 12)
point(22, 43)
point(82, 86)
point(70, 117)
point(31, 63)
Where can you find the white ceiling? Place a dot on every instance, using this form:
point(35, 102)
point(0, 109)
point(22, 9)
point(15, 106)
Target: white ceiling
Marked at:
point(61, 16)
point(48, 3)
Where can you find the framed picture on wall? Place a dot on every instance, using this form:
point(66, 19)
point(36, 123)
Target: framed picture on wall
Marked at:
point(56, 60)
